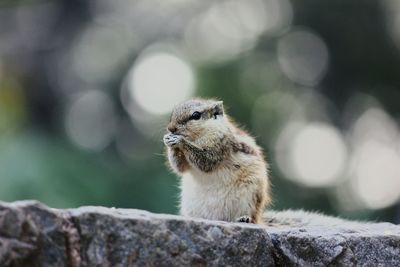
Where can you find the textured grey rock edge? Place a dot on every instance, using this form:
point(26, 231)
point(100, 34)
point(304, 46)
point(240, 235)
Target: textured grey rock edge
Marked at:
point(32, 234)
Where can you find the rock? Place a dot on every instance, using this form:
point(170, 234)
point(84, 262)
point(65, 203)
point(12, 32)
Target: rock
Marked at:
point(32, 234)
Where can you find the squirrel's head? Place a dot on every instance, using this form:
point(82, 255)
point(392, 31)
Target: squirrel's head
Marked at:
point(197, 118)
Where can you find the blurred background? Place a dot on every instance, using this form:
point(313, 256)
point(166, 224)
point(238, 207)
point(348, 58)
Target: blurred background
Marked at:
point(86, 88)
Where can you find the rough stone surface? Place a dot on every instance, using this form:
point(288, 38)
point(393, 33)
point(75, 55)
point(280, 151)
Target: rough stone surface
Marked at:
point(32, 234)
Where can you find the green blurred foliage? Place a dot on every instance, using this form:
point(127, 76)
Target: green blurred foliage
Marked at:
point(39, 161)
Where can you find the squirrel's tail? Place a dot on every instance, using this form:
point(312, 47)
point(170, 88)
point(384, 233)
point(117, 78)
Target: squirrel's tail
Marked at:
point(300, 218)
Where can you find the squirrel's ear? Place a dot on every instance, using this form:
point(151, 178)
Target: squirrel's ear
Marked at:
point(218, 107)
point(219, 104)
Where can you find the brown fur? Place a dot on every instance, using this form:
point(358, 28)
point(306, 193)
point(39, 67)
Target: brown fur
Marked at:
point(206, 148)
point(179, 161)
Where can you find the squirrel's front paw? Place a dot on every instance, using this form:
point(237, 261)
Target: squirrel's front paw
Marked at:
point(172, 140)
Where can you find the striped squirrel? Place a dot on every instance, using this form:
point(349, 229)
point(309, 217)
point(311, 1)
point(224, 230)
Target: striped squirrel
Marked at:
point(224, 175)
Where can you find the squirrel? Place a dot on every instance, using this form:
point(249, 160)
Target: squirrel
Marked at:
point(224, 175)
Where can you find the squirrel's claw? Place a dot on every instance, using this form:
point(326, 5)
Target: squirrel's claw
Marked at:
point(172, 140)
point(244, 219)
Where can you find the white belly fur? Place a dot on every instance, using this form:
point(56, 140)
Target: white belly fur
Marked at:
point(215, 195)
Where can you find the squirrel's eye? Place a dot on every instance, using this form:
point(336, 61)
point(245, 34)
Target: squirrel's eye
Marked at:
point(195, 116)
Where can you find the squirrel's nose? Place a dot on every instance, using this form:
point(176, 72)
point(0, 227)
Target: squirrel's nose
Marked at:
point(172, 128)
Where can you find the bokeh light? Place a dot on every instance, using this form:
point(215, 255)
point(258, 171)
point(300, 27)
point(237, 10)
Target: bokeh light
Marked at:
point(376, 172)
point(231, 27)
point(86, 90)
point(99, 51)
point(272, 110)
point(260, 73)
point(316, 154)
point(303, 57)
point(375, 164)
point(91, 120)
point(159, 80)
point(392, 9)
